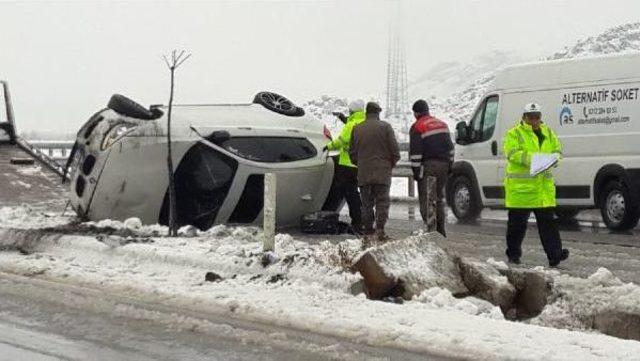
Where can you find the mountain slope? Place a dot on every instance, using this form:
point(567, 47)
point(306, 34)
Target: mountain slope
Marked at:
point(620, 39)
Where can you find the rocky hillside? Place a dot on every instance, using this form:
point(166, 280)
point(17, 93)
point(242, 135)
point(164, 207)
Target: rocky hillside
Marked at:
point(453, 89)
point(620, 39)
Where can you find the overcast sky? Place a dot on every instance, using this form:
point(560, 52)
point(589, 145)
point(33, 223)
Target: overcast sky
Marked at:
point(64, 59)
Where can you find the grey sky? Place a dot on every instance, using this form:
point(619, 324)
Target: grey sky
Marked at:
point(64, 59)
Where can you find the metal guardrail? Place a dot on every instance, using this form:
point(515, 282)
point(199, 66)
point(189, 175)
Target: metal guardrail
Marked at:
point(403, 170)
point(39, 155)
point(63, 148)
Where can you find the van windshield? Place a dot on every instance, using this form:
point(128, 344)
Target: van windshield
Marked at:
point(270, 149)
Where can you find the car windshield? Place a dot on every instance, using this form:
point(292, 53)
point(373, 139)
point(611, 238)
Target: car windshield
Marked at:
point(270, 149)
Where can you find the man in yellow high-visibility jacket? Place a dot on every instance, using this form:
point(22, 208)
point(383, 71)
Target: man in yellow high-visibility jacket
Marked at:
point(346, 173)
point(526, 193)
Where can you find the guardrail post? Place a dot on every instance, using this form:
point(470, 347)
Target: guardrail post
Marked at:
point(411, 187)
point(432, 198)
point(269, 212)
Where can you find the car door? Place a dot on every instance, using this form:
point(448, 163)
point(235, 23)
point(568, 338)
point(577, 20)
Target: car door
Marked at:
point(482, 150)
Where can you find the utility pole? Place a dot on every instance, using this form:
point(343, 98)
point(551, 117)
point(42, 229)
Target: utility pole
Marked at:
point(397, 106)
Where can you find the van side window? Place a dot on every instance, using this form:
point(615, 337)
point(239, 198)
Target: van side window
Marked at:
point(489, 119)
point(483, 123)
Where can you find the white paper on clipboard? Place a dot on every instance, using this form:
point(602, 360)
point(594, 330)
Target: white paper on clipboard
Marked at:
point(542, 161)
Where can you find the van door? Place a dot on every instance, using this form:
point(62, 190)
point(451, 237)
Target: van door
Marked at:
point(482, 150)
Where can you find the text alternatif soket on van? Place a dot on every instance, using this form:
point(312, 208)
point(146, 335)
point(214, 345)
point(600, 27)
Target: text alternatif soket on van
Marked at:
point(600, 96)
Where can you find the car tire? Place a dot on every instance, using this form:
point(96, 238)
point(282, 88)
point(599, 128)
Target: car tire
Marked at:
point(619, 213)
point(566, 215)
point(464, 200)
point(278, 103)
point(129, 108)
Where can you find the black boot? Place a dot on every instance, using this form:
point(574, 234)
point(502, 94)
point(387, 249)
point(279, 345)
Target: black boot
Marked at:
point(563, 256)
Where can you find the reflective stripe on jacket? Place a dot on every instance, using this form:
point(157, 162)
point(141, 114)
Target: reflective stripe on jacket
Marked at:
point(521, 189)
point(343, 141)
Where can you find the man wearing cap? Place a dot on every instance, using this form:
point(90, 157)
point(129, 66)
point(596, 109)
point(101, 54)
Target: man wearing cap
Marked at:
point(374, 149)
point(431, 154)
point(346, 174)
point(526, 192)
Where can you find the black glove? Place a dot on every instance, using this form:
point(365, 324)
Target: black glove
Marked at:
point(342, 117)
point(417, 174)
point(325, 149)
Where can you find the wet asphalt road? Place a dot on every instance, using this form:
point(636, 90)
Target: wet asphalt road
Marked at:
point(42, 321)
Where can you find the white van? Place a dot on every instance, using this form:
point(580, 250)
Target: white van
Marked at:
point(592, 104)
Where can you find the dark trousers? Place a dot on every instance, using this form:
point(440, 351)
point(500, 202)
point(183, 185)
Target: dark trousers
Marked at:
point(547, 228)
point(345, 186)
point(440, 171)
point(375, 195)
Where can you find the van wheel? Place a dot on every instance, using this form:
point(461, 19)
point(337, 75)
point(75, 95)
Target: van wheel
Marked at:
point(278, 103)
point(566, 215)
point(616, 207)
point(463, 198)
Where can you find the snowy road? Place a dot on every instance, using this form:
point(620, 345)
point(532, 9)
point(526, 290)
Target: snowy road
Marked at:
point(148, 298)
point(41, 320)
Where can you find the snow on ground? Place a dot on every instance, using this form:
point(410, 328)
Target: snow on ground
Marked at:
point(603, 291)
point(26, 216)
point(34, 170)
point(305, 287)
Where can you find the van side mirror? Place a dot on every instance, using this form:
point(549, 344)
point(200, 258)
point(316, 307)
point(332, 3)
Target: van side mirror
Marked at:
point(218, 137)
point(462, 133)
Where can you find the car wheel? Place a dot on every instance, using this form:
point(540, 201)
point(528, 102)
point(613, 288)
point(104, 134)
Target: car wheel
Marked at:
point(129, 108)
point(566, 215)
point(278, 103)
point(463, 198)
point(616, 207)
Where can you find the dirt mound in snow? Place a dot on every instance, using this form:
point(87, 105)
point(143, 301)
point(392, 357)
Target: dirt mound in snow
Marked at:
point(417, 268)
point(601, 302)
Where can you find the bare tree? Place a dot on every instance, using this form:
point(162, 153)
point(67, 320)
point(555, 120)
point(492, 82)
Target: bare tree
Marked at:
point(173, 62)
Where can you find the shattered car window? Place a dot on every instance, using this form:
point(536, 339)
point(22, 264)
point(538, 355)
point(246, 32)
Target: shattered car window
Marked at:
point(202, 180)
point(271, 149)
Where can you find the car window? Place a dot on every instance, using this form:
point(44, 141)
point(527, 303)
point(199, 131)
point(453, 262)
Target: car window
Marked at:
point(270, 149)
point(203, 180)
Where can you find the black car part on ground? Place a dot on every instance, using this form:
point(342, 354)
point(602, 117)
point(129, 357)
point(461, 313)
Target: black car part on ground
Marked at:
point(323, 222)
point(278, 103)
point(127, 107)
point(203, 179)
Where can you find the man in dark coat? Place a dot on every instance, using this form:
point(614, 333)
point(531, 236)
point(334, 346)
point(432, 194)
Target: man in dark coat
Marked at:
point(431, 155)
point(374, 149)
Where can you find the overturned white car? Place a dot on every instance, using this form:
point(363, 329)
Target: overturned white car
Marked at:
point(118, 167)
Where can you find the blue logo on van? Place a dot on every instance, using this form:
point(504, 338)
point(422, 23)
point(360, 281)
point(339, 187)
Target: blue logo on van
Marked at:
point(566, 116)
